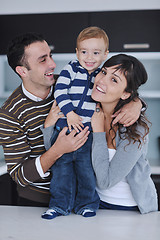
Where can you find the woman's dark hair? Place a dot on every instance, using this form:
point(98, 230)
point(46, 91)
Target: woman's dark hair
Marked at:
point(135, 75)
point(16, 49)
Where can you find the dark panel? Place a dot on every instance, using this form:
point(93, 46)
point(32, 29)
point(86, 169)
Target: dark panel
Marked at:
point(126, 27)
point(8, 192)
point(59, 29)
point(156, 180)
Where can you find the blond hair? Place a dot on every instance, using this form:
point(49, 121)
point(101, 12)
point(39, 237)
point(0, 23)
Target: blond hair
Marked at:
point(93, 32)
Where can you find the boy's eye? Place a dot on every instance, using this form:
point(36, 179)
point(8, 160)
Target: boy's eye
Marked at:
point(83, 52)
point(96, 53)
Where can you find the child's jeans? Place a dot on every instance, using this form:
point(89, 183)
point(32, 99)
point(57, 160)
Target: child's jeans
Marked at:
point(73, 181)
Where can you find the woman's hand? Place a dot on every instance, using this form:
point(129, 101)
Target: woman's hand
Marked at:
point(129, 113)
point(97, 120)
point(53, 115)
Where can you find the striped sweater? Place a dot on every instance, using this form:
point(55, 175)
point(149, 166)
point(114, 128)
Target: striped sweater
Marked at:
point(73, 93)
point(22, 141)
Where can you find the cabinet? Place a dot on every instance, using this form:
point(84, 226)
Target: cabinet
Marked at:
point(127, 30)
point(8, 190)
point(130, 30)
point(59, 29)
point(156, 180)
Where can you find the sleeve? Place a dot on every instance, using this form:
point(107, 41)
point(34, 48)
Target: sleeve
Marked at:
point(17, 151)
point(61, 93)
point(144, 104)
point(110, 173)
point(47, 135)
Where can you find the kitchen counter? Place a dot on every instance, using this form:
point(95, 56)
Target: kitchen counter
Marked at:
point(25, 223)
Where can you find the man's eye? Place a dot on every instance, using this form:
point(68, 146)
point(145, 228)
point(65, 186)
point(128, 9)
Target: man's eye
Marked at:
point(43, 60)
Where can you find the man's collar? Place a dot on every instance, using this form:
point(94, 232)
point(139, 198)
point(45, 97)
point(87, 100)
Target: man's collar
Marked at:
point(33, 97)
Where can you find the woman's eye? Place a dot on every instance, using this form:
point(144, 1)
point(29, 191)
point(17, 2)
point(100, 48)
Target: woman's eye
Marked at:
point(104, 72)
point(114, 80)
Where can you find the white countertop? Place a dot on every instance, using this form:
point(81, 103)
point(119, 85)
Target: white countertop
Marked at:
point(17, 223)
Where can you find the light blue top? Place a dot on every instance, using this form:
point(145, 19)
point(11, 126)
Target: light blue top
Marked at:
point(129, 161)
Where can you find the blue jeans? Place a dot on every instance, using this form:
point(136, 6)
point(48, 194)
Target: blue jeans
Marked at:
point(105, 205)
point(73, 181)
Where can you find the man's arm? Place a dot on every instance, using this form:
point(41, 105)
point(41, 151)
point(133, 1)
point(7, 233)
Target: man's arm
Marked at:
point(21, 154)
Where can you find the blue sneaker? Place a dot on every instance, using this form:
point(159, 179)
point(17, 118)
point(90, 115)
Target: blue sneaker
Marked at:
point(50, 214)
point(88, 213)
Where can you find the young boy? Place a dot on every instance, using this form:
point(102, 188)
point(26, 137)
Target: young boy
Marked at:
point(73, 180)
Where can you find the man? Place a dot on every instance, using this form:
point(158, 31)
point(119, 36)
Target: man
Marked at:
point(24, 112)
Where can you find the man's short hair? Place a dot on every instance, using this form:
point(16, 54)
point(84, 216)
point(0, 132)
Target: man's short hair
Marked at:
point(16, 49)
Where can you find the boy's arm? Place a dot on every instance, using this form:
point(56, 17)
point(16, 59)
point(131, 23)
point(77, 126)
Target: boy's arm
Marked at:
point(129, 113)
point(63, 98)
point(62, 88)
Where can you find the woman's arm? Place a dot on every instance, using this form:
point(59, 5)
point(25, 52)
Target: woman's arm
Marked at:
point(110, 173)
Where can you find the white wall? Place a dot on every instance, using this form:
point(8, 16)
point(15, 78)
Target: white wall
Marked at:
point(49, 6)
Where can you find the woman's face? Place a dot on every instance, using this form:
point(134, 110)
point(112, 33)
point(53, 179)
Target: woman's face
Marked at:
point(109, 86)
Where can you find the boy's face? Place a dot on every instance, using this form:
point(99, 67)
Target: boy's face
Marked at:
point(91, 53)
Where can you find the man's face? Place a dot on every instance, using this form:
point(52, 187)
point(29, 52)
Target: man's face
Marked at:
point(41, 66)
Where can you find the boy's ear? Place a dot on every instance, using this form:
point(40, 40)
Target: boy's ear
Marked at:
point(21, 70)
point(105, 55)
point(76, 51)
point(125, 95)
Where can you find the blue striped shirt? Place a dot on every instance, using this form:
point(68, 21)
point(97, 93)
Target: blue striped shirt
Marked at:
point(73, 93)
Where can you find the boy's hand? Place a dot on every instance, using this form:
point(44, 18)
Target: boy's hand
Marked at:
point(129, 113)
point(75, 121)
point(53, 115)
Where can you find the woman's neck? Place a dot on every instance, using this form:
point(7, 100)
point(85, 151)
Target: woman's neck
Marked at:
point(108, 111)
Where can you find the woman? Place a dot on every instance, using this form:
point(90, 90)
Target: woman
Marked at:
point(119, 153)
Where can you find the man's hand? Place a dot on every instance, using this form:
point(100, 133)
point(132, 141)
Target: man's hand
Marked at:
point(64, 144)
point(129, 113)
point(75, 121)
point(71, 142)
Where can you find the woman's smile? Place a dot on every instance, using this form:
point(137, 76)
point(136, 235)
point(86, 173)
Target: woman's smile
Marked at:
point(99, 89)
